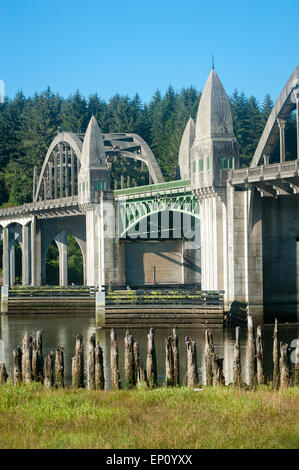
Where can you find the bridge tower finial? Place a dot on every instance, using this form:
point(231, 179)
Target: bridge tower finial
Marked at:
point(213, 64)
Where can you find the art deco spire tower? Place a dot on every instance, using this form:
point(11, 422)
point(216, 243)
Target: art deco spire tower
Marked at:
point(214, 149)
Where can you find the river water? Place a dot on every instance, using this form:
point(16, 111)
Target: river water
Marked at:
point(62, 329)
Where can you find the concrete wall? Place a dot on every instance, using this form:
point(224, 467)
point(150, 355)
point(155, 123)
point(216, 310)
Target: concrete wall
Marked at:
point(280, 258)
point(172, 263)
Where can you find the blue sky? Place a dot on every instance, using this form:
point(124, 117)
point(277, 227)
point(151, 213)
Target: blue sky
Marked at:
point(138, 46)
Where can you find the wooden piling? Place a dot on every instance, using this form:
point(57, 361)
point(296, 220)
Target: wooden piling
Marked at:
point(115, 378)
point(237, 378)
point(129, 361)
point(192, 372)
point(169, 367)
point(37, 357)
point(59, 367)
point(91, 361)
point(78, 364)
point(296, 369)
point(284, 366)
point(151, 363)
point(140, 372)
point(260, 356)
point(27, 358)
point(99, 368)
point(17, 366)
point(49, 371)
point(251, 353)
point(209, 351)
point(275, 355)
point(3, 373)
point(176, 362)
point(217, 369)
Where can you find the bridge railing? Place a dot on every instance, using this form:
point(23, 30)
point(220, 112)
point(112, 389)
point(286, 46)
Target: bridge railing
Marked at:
point(268, 172)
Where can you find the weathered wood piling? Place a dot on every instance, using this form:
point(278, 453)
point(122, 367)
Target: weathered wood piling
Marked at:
point(37, 357)
point(140, 372)
point(251, 353)
point(3, 373)
point(284, 366)
point(59, 367)
point(192, 372)
point(296, 369)
point(260, 356)
point(169, 367)
point(209, 351)
point(237, 379)
point(151, 363)
point(275, 355)
point(217, 369)
point(78, 364)
point(176, 359)
point(49, 371)
point(27, 358)
point(99, 368)
point(17, 366)
point(130, 375)
point(115, 378)
point(91, 361)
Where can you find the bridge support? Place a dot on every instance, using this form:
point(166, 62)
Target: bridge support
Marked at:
point(12, 263)
point(5, 258)
point(282, 125)
point(25, 256)
point(231, 247)
point(61, 241)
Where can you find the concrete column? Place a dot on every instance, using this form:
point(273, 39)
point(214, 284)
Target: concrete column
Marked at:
point(12, 264)
point(50, 166)
point(66, 173)
point(112, 263)
point(61, 241)
point(72, 172)
point(25, 255)
point(45, 187)
point(33, 252)
point(61, 170)
point(297, 110)
point(55, 176)
point(282, 125)
point(266, 159)
point(5, 256)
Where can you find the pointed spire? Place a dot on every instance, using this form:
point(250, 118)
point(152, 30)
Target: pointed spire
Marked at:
point(185, 148)
point(93, 151)
point(213, 65)
point(214, 118)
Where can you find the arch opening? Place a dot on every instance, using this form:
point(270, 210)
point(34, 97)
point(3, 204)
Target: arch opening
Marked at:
point(52, 265)
point(74, 261)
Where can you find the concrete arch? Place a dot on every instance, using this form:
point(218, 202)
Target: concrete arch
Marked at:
point(147, 157)
point(74, 142)
point(282, 108)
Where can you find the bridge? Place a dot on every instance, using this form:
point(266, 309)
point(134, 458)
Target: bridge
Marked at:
point(220, 226)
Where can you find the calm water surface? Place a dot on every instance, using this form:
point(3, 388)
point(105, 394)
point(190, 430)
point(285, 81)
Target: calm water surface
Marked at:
point(62, 330)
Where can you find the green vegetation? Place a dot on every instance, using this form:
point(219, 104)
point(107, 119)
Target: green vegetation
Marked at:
point(28, 125)
point(31, 417)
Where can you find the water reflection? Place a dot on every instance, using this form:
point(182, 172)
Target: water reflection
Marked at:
point(62, 330)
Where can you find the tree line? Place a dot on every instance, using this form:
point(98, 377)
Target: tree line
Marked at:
point(28, 125)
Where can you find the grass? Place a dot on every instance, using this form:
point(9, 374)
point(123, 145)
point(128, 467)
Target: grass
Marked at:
point(213, 418)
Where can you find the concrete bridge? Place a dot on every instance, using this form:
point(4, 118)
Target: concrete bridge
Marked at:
point(220, 226)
